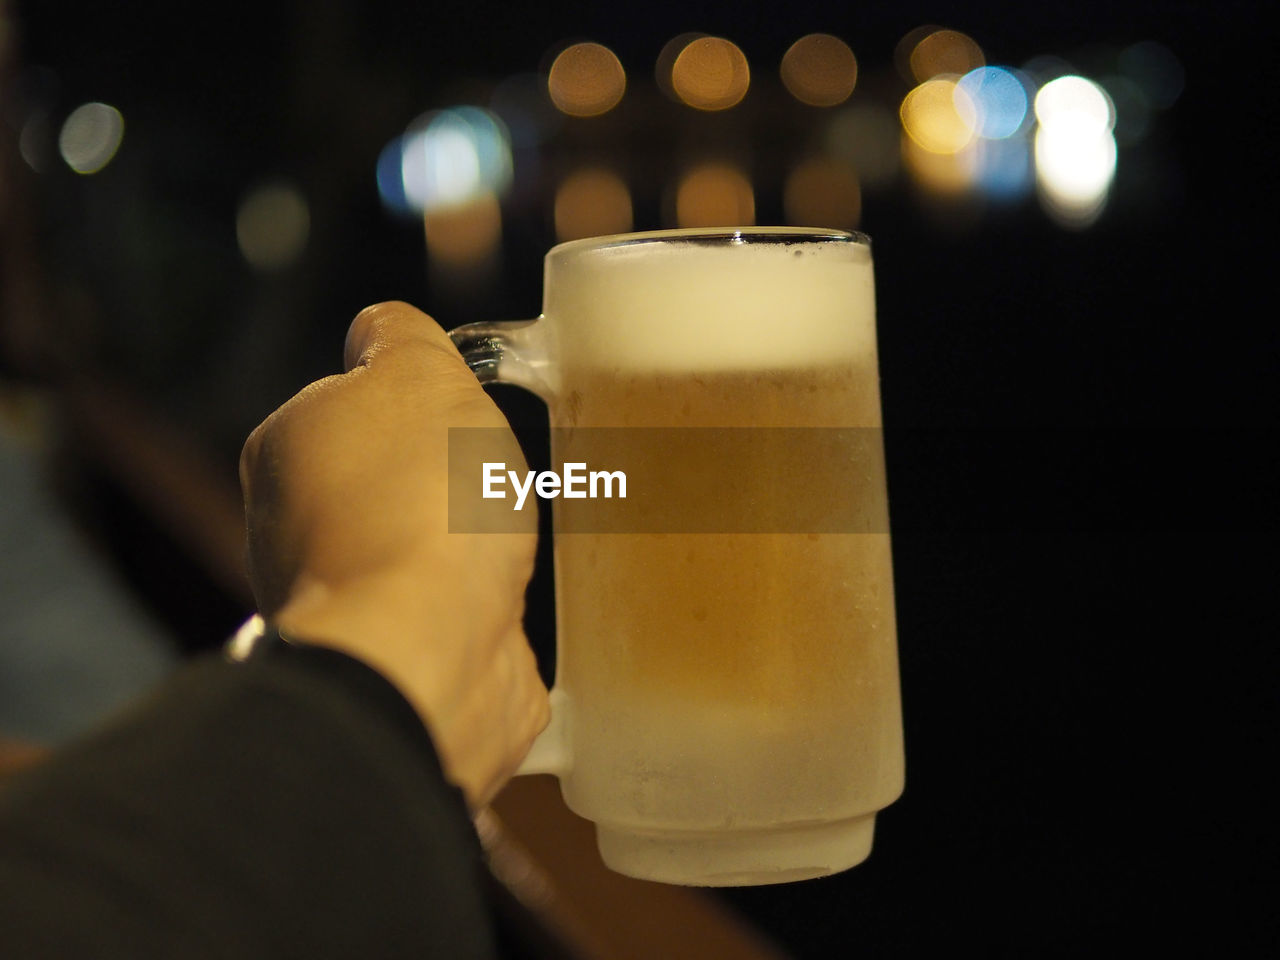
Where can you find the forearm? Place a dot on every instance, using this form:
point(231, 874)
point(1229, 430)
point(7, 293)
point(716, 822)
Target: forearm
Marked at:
point(285, 807)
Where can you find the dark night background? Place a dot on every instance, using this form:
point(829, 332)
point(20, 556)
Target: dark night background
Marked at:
point(1079, 421)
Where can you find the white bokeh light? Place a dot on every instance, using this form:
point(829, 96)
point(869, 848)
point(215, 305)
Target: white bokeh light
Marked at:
point(1074, 174)
point(1075, 105)
point(90, 137)
point(446, 159)
point(1075, 151)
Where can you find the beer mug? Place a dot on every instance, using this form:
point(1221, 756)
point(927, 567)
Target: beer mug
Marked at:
point(726, 704)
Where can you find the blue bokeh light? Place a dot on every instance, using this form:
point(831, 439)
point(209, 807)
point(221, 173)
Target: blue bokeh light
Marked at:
point(1005, 171)
point(1000, 99)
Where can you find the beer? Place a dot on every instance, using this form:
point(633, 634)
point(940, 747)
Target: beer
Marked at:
point(726, 704)
point(774, 647)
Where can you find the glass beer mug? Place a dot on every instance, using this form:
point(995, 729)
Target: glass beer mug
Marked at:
point(726, 705)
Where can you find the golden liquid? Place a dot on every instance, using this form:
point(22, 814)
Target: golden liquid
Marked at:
point(797, 628)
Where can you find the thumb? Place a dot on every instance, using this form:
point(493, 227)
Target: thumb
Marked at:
point(413, 362)
point(403, 331)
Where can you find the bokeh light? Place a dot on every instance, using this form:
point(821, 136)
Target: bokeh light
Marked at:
point(1074, 174)
point(999, 100)
point(907, 45)
point(1073, 104)
point(446, 160)
point(272, 224)
point(90, 137)
point(715, 195)
point(33, 140)
point(1075, 151)
point(1156, 69)
point(822, 192)
point(1004, 168)
point(939, 116)
point(866, 137)
point(945, 174)
point(820, 70)
point(441, 167)
point(665, 65)
point(592, 202)
point(711, 73)
point(945, 52)
point(586, 80)
point(1132, 108)
point(525, 108)
point(464, 236)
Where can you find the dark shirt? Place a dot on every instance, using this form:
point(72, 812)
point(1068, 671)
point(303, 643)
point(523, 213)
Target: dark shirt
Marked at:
point(291, 806)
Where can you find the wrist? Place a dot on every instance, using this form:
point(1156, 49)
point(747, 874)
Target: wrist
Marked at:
point(380, 622)
point(260, 647)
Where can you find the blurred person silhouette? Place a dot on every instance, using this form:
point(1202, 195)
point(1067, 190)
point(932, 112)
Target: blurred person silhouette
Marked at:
point(308, 797)
point(74, 645)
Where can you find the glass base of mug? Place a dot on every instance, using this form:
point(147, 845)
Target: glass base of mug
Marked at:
point(726, 858)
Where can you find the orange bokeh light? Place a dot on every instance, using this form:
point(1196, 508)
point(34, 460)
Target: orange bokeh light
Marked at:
point(593, 202)
point(820, 70)
point(586, 80)
point(711, 73)
point(715, 195)
point(822, 192)
point(945, 51)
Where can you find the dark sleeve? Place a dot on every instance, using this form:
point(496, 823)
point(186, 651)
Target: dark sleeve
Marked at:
point(286, 807)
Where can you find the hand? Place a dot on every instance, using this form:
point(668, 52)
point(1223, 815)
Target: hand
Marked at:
point(346, 496)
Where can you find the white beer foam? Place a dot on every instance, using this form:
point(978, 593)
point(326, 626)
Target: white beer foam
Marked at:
point(712, 306)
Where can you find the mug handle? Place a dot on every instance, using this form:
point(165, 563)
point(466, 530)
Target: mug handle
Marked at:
point(513, 351)
point(517, 352)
